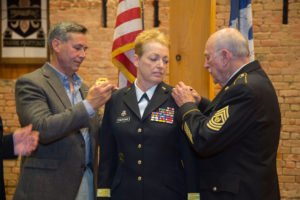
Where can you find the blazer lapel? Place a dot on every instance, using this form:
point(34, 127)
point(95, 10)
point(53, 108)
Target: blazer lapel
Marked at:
point(56, 85)
point(130, 100)
point(160, 96)
point(83, 90)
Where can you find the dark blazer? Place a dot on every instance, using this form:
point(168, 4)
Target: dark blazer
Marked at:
point(55, 169)
point(140, 158)
point(237, 136)
point(6, 152)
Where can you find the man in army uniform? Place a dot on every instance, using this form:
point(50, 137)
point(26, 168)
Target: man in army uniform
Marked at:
point(237, 134)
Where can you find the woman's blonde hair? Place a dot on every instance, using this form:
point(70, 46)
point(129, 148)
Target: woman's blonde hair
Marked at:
point(152, 35)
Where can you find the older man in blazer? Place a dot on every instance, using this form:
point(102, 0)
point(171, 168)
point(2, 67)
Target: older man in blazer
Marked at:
point(57, 103)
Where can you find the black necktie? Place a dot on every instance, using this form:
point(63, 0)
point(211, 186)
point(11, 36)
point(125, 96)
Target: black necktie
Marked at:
point(144, 96)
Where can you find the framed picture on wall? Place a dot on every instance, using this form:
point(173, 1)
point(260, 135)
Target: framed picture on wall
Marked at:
point(24, 28)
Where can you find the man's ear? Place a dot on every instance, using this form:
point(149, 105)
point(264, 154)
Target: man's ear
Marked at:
point(135, 59)
point(56, 44)
point(226, 56)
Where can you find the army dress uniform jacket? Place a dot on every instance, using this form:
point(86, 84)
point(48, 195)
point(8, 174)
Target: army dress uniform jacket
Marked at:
point(6, 152)
point(56, 168)
point(236, 136)
point(142, 158)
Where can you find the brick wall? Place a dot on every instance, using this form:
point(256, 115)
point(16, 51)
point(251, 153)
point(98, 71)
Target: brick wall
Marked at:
point(277, 47)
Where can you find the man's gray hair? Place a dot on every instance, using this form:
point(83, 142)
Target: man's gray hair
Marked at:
point(233, 41)
point(61, 31)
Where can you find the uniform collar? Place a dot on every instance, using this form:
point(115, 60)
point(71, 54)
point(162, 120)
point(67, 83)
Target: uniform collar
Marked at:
point(139, 92)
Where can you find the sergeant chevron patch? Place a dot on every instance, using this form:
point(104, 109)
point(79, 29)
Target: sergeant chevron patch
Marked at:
point(219, 119)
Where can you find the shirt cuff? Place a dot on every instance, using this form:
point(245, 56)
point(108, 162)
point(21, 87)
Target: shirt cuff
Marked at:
point(89, 108)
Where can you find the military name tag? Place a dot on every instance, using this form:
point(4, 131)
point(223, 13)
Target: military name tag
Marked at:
point(123, 119)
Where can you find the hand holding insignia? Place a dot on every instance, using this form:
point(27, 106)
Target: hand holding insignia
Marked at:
point(183, 94)
point(100, 93)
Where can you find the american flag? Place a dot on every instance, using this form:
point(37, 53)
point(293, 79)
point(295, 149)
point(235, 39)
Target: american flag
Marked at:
point(129, 24)
point(241, 19)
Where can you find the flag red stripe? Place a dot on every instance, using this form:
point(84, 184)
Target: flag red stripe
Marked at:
point(125, 39)
point(128, 15)
point(127, 63)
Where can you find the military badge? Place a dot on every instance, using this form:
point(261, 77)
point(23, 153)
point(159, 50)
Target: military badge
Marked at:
point(164, 115)
point(241, 78)
point(218, 120)
point(123, 113)
point(124, 118)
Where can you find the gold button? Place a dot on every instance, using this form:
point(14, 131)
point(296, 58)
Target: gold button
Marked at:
point(121, 157)
point(139, 130)
point(139, 162)
point(215, 189)
point(139, 178)
point(139, 146)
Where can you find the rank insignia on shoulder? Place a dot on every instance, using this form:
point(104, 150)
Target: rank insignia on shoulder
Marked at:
point(218, 120)
point(241, 78)
point(164, 115)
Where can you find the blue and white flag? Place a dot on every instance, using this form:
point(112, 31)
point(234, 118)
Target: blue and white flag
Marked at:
point(241, 19)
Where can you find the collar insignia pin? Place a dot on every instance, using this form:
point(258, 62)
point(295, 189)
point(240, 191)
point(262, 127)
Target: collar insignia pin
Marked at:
point(123, 113)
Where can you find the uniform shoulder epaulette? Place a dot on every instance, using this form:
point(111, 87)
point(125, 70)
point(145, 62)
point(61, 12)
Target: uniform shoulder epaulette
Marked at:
point(242, 78)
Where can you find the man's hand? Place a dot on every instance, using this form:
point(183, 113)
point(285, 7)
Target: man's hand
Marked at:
point(25, 140)
point(99, 94)
point(183, 94)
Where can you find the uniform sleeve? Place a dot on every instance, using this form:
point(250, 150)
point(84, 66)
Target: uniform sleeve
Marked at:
point(107, 157)
point(33, 106)
point(225, 125)
point(203, 104)
point(8, 147)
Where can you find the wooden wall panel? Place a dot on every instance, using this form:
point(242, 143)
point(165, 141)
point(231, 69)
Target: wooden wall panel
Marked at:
point(13, 71)
point(191, 23)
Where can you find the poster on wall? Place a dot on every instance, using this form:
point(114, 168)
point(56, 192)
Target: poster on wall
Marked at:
point(24, 25)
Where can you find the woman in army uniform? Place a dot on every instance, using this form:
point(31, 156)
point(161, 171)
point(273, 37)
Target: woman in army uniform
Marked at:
point(143, 154)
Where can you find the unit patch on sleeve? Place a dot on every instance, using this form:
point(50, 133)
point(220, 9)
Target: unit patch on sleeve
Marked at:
point(219, 119)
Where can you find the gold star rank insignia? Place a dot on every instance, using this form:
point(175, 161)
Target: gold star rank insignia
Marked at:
point(219, 119)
